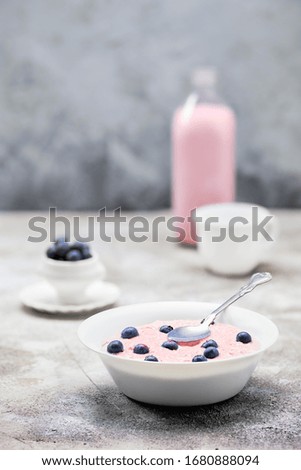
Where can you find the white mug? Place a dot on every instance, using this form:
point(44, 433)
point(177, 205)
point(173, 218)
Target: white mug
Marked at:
point(235, 237)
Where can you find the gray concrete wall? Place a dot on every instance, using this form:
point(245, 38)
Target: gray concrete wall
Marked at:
point(88, 87)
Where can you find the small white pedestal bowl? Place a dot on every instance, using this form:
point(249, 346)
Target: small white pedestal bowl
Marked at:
point(71, 279)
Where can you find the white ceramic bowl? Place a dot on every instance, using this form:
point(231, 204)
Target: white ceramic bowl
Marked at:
point(72, 278)
point(176, 384)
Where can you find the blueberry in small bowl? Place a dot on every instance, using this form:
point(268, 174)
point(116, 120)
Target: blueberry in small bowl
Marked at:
point(70, 267)
point(73, 255)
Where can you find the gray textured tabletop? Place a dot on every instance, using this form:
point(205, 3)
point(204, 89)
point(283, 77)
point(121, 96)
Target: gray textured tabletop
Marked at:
point(55, 394)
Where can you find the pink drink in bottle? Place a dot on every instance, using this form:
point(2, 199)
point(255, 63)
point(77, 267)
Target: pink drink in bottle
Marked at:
point(203, 141)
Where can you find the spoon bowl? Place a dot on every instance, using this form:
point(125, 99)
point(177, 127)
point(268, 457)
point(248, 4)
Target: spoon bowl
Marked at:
point(186, 334)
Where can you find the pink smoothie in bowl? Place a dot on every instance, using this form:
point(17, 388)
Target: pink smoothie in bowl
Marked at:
point(149, 342)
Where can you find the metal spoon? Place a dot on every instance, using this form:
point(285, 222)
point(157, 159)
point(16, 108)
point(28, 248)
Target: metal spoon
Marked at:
point(193, 333)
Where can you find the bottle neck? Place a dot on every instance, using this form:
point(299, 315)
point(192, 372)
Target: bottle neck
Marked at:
point(203, 94)
point(207, 94)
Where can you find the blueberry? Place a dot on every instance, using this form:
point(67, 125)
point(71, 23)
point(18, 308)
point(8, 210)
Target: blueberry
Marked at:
point(73, 255)
point(82, 247)
point(244, 337)
point(199, 358)
point(211, 352)
point(78, 246)
point(141, 349)
point(62, 249)
point(210, 343)
point(115, 347)
point(166, 328)
point(151, 359)
point(172, 345)
point(129, 332)
point(86, 252)
point(51, 252)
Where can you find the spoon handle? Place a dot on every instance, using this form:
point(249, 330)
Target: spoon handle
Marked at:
point(254, 281)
